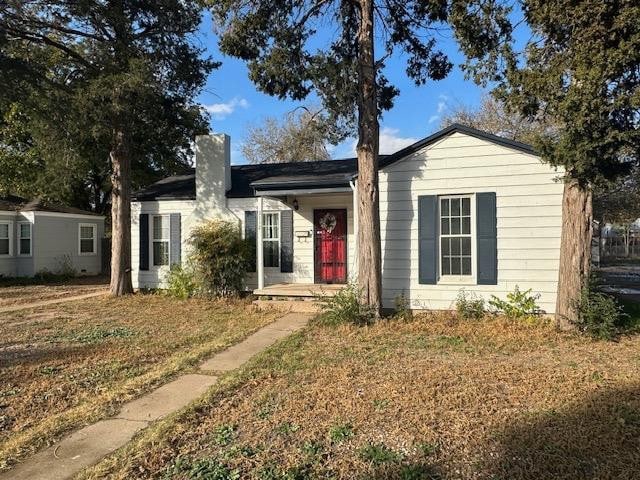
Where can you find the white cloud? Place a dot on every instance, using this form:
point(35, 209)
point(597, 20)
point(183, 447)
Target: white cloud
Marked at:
point(440, 108)
point(220, 111)
point(390, 142)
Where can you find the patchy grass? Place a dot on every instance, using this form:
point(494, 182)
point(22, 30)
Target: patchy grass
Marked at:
point(69, 364)
point(434, 398)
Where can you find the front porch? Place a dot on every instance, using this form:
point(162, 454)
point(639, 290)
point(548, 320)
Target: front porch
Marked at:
point(299, 290)
point(316, 240)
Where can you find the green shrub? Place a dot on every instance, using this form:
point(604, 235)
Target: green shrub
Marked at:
point(345, 306)
point(402, 308)
point(469, 305)
point(220, 257)
point(182, 282)
point(597, 314)
point(517, 305)
point(216, 266)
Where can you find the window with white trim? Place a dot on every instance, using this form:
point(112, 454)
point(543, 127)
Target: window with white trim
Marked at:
point(24, 238)
point(271, 239)
point(455, 236)
point(5, 238)
point(87, 239)
point(160, 240)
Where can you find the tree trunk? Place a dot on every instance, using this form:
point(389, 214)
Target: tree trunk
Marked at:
point(120, 216)
point(575, 250)
point(369, 254)
point(627, 239)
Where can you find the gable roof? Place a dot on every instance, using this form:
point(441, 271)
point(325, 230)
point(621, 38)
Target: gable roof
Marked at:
point(13, 203)
point(245, 179)
point(451, 129)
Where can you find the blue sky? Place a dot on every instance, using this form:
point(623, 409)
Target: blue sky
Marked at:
point(234, 102)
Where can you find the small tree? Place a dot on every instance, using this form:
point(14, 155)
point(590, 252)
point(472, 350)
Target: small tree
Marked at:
point(301, 136)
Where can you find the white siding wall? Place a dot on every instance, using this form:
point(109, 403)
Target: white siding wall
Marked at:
point(55, 241)
point(302, 247)
point(155, 276)
point(8, 262)
point(529, 218)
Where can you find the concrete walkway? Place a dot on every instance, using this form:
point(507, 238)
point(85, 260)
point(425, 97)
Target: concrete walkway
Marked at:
point(89, 445)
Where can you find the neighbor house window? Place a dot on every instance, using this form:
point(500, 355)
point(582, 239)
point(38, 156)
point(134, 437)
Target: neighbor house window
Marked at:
point(24, 238)
point(160, 239)
point(88, 239)
point(5, 238)
point(455, 235)
point(271, 239)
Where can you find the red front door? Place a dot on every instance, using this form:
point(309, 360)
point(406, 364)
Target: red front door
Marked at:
point(330, 227)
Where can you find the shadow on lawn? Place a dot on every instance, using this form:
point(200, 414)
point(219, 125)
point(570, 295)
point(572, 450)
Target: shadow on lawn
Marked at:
point(597, 437)
point(33, 354)
point(413, 471)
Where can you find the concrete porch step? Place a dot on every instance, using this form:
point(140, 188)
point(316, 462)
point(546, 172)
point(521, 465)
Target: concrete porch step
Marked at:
point(297, 306)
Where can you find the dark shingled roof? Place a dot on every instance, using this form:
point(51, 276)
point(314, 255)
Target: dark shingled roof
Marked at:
point(245, 177)
point(329, 173)
point(19, 204)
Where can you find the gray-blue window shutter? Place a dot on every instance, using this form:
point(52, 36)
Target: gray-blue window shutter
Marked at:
point(175, 244)
point(144, 242)
point(427, 237)
point(286, 241)
point(487, 233)
point(250, 222)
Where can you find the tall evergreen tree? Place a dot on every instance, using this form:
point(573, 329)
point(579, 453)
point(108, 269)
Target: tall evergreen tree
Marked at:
point(329, 46)
point(581, 70)
point(124, 74)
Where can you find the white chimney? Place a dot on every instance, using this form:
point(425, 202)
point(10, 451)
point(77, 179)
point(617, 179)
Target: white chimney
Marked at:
point(213, 175)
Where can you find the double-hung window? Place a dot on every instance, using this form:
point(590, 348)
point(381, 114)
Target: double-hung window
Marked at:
point(88, 237)
point(160, 240)
point(5, 238)
point(24, 238)
point(271, 239)
point(455, 236)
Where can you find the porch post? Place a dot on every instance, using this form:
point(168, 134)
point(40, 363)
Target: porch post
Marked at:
point(354, 273)
point(260, 246)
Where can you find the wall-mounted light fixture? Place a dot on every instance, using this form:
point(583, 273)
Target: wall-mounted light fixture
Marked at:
point(295, 204)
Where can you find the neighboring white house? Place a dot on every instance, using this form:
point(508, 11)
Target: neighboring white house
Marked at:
point(37, 237)
point(461, 209)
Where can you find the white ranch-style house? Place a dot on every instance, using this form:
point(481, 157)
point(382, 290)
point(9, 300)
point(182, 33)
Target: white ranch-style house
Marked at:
point(460, 209)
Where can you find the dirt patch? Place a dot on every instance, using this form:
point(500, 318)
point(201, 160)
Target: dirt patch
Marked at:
point(434, 398)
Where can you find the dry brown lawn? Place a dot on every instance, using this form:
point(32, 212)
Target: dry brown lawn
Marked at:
point(17, 294)
point(66, 365)
point(433, 398)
